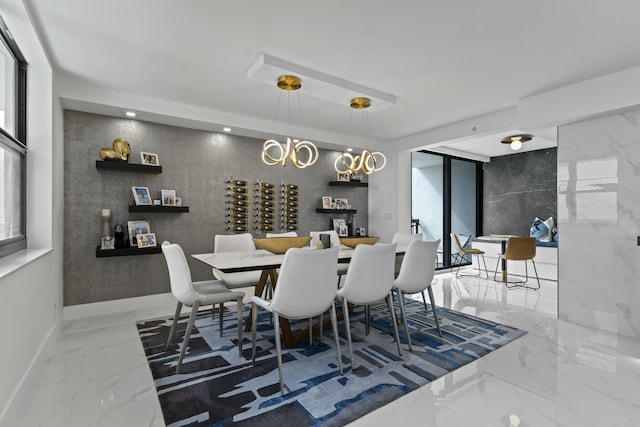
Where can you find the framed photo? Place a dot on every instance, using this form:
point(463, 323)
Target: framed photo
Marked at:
point(343, 176)
point(137, 228)
point(343, 230)
point(168, 197)
point(338, 223)
point(342, 203)
point(141, 196)
point(326, 202)
point(147, 240)
point(178, 201)
point(150, 159)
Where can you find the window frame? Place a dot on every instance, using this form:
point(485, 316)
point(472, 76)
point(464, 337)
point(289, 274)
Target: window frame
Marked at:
point(19, 142)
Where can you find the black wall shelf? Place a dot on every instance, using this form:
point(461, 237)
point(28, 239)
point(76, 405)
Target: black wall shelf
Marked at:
point(127, 167)
point(337, 211)
point(169, 209)
point(348, 184)
point(102, 253)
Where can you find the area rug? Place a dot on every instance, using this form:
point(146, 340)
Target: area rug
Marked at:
point(216, 387)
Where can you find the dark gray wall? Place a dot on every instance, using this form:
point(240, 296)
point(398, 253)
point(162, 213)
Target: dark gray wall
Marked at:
point(518, 187)
point(195, 164)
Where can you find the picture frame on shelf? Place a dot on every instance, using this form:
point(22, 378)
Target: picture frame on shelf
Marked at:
point(168, 197)
point(338, 223)
point(326, 202)
point(178, 201)
point(141, 196)
point(341, 203)
point(137, 228)
point(149, 159)
point(146, 240)
point(343, 231)
point(344, 176)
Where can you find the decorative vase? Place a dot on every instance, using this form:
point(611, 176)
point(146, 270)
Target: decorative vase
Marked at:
point(106, 222)
point(119, 235)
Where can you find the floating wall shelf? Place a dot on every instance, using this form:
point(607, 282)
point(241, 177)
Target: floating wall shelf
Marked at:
point(169, 209)
point(102, 253)
point(348, 184)
point(127, 167)
point(337, 211)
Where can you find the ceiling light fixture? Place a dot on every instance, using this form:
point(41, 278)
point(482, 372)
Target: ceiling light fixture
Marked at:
point(227, 129)
point(130, 114)
point(517, 140)
point(273, 152)
point(368, 161)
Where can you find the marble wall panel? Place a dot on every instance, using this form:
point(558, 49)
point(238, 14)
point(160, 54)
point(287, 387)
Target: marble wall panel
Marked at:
point(599, 215)
point(195, 164)
point(516, 188)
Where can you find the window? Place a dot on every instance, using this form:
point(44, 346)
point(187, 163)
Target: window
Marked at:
point(13, 149)
point(446, 197)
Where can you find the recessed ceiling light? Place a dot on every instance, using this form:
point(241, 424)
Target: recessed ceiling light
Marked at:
point(227, 129)
point(130, 114)
point(296, 140)
point(349, 149)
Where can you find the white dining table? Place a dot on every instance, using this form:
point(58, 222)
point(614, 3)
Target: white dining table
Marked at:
point(268, 263)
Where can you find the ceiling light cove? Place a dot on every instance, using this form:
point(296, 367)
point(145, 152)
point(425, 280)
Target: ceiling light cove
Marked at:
point(267, 69)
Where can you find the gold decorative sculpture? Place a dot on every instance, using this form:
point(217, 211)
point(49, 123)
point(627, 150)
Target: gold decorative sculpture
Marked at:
point(120, 151)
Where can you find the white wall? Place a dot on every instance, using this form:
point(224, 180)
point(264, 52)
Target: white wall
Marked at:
point(32, 294)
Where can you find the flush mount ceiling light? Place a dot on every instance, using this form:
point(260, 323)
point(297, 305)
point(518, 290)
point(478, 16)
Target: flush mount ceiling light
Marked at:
point(275, 153)
point(517, 140)
point(366, 162)
point(317, 84)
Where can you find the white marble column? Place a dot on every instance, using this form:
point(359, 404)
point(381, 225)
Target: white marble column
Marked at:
point(599, 222)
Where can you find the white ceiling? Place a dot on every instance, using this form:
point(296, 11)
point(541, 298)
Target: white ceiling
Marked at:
point(186, 62)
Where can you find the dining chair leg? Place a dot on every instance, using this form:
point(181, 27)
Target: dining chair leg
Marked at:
point(221, 311)
point(334, 325)
point(276, 330)
point(433, 308)
point(254, 327)
point(310, 332)
point(187, 333)
point(173, 324)
point(486, 272)
point(495, 273)
point(392, 312)
point(367, 319)
point(345, 311)
point(403, 313)
point(321, 327)
point(536, 271)
point(240, 337)
point(424, 301)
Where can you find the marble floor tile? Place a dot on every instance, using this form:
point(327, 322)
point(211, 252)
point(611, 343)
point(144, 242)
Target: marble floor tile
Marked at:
point(558, 374)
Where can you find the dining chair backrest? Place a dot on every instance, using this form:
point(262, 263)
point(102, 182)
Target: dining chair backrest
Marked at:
point(370, 275)
point(418, 266)
point(403, 239)
point(315, 237)
point(520, 248)
point(179, 272)
point(306, 284)
point(233, 242)
point(456, 243)
point(287, 234)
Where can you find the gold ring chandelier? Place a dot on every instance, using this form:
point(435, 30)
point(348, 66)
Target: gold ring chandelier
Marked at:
point(301, 154)
point(366, 162)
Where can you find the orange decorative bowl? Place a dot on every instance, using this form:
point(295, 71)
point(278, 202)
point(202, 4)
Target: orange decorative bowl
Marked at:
point(352, 242)
point(280, 245)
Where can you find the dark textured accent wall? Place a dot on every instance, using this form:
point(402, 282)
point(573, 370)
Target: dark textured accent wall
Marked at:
point(195, 164)
point(518, 187)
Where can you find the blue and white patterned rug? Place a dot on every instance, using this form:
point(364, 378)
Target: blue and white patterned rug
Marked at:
point(217, 387)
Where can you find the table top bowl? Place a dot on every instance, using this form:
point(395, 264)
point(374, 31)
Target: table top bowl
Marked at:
point(280, 245)
point(352, 242)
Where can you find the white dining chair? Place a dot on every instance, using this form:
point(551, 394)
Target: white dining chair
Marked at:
point(416, 275)
point(403, 240)
point(334, 241)
point(235, 243)
point(306, 288)
point(368, 281)
point(194, 295)
point(285, 234)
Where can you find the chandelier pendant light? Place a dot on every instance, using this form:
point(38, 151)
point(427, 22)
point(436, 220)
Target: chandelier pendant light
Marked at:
point(368, 161)
point(300, 154)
